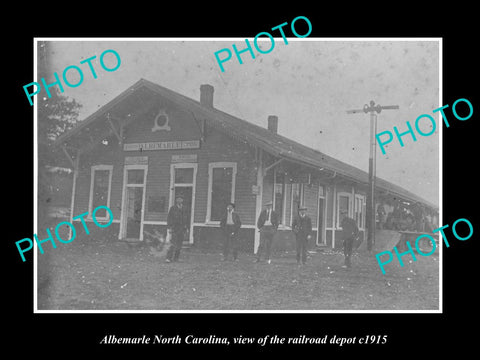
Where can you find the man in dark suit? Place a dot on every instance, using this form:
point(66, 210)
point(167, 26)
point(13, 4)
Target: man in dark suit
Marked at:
point(267, 224)
point(350, 232)
point(230, 224)
point(382, 216)
point(177, 226)
point(302, 227)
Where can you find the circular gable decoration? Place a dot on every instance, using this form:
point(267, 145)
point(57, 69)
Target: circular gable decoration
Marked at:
point(161, 121)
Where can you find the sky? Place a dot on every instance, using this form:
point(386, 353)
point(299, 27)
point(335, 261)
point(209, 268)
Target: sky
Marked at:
point(308, 83)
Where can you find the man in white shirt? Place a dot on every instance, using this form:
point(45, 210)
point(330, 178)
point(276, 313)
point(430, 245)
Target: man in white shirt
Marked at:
point(302, 227)
point(230, 224)
point(267, 224)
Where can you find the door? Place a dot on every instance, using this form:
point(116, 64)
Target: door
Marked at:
point(321, 222)
point(134, 212)
point(183, 179)
point(134, 181)
point(321, 216)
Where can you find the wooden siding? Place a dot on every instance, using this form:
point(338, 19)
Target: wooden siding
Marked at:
point(101, 155)
point(217, 147)
point(183, 126)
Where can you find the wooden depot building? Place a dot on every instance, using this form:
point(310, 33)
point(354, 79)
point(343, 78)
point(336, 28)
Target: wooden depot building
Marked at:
point(139, 151)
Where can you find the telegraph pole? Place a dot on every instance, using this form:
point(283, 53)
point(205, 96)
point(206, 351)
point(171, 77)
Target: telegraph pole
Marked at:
point(372, 108)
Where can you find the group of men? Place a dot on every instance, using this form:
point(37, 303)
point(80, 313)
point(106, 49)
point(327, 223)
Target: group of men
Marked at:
point(267, 224)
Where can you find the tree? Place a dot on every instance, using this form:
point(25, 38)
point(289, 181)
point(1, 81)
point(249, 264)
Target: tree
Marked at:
point(55, 116)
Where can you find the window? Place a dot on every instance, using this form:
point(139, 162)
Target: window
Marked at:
point(279, 194)
point(360, 211)
point(100, 183)
point(344, 201)
point(221, 189)
point(183, 175)
point(135, 176)
point(321, 191)
point(297, 200)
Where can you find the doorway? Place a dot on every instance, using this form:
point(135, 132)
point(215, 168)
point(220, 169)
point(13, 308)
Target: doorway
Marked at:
point(321, 238)
point(133, 202)
point(182, 183)
point(134, 212)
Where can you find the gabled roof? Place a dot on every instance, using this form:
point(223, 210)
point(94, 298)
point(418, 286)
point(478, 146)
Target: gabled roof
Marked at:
point(263, 138)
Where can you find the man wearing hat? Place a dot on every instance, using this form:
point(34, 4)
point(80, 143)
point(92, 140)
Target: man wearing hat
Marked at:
point(230, 224)
point(302, 227)
point(177, 226)
point(349, 233)
point(267, 224)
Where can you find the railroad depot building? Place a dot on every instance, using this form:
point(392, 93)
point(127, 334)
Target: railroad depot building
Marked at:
point(150, 144)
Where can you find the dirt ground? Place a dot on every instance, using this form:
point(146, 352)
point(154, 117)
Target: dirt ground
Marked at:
point(95, 275)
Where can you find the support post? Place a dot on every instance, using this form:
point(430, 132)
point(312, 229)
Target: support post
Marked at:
point(258, 204)
point(371, 181)
point(74, 186)
point(372, 165)
point(271, 166)
point(68, 155)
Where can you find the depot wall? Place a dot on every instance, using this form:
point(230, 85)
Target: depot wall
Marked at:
point(216, 147)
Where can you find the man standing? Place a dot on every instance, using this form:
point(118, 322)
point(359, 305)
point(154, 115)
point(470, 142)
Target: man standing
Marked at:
point(349, 233)
point(302, 227)
point(177, 226)
point(230, 224)
point(267, 224)
point(381, 216)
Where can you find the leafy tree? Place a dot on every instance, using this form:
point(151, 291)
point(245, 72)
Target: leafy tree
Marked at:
point(55, 116)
